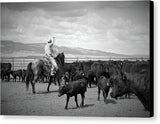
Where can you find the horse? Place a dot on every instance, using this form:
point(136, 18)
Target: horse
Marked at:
point(41, 68)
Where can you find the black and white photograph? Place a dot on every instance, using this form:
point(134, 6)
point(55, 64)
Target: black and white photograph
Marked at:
point(77, 58)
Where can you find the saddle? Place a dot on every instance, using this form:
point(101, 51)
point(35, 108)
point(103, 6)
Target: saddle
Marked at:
point(48, 63)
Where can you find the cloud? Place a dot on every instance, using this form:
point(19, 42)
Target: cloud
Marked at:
point(125, 30)
point(124, 35)
point(91, 25)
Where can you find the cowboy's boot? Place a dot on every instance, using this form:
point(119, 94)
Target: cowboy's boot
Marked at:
point(53, 71)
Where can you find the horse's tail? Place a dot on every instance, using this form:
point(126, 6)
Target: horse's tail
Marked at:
point(29, 75)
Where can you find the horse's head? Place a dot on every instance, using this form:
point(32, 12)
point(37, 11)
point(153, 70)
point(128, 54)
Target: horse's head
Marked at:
point(61, 58)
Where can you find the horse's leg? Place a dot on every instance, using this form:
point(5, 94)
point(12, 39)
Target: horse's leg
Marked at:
point(58, 80)
point(33, 87)
point(33, 83)
point(55, 79)
point(49, 83)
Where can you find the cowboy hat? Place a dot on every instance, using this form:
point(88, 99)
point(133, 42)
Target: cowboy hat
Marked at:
point(51, 41)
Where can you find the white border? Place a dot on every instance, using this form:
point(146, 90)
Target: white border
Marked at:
point(101, 120)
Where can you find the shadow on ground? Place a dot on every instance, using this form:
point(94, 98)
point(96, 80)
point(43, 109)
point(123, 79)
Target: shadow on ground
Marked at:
point(133, 97)
point(110, 101)
point(45, 92)
point(85, 106)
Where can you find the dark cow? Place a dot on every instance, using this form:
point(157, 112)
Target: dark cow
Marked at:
point(103, 84)
point(91, 78)
point(113, 67)
point(17, 73)
point(73, 68)
point(78, 75)
point(135, 67)
point(84, 66)
point(70, 68)
point(73, 89)
point(66, 78)
point(137, 82)
point(23, 75)
point(97, 69)
point(5, 71)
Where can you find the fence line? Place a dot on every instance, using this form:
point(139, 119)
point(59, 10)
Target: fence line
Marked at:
point(22, 62)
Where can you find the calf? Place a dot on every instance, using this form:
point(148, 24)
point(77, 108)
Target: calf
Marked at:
point(17, 73)
point(73, 89)
point(103, 84)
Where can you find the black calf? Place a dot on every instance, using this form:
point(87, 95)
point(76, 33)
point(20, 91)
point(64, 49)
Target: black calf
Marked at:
point(73, 89)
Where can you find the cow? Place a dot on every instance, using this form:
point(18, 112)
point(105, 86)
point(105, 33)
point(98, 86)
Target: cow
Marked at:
point(113, 67)
point(97, 69)
point(73, 89)
point(70, 69)
point(66, 78)
point(23, 75)
point(136, 79)
point(103, 84)
point(91, 78)
point(135, 67)
point(5, 71)
point(78, 75)
point(17, 73)
point(84, 66)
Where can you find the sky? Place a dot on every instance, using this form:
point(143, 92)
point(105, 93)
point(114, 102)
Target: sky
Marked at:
point(111, 26)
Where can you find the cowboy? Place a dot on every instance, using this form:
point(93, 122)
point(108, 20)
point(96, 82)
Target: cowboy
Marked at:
point(51, 52)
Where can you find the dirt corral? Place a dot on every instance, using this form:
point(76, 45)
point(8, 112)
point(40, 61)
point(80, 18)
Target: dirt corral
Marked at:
point(15, 100)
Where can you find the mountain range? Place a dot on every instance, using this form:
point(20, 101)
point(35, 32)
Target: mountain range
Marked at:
point(16, 49)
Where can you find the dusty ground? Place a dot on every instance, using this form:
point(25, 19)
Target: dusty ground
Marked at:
point(15, 100)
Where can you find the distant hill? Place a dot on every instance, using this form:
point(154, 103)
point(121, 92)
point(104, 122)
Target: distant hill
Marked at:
point(16, 49)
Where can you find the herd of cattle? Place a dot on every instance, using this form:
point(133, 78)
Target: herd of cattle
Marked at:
point(7, 73)
point(123, 77)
